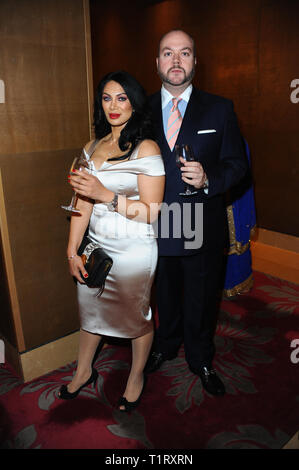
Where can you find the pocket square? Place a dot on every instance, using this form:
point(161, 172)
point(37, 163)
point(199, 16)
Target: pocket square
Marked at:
point(206, 131)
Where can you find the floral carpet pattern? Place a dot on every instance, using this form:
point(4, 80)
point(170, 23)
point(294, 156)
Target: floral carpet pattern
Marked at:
point(253, 357)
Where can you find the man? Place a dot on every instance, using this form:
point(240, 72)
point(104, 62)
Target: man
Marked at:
point(188, 276)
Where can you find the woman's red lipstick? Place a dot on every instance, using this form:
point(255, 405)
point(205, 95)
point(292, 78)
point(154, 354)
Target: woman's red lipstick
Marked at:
point(114, 116)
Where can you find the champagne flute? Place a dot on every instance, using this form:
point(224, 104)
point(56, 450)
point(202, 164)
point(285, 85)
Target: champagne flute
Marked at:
point(78, 164)
point(186, 152)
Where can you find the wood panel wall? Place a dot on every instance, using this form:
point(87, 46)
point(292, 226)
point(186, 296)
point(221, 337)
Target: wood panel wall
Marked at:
point(247, 51)
point(44, 122)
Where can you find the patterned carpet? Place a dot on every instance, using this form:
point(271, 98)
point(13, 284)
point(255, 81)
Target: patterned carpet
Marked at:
point(256, 359)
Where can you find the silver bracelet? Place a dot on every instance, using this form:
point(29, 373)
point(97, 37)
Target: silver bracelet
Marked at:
point(71, 257)
point(112, 205)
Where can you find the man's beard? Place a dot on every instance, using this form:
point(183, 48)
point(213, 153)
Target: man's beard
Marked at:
point(185, 79)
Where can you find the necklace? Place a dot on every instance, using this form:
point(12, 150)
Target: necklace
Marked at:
point(113, 150)
point(112, 154)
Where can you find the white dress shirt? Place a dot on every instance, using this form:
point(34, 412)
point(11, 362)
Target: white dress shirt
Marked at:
point(166, 100)
point(167, 103)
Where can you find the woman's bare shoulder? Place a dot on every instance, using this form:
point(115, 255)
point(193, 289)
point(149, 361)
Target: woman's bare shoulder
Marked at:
point(147, 148)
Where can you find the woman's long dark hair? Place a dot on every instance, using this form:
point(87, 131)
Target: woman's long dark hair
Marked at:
point(139, 126)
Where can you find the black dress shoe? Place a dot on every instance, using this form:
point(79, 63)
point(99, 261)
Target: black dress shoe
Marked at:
point(210, 381)
point(130, 405)
point(155, 361)
point(64, 394)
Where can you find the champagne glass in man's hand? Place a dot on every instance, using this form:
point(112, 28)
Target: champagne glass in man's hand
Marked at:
point(79, 163)
point(186, 152)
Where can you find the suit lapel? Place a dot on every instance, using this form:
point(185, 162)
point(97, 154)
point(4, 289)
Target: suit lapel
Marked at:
point(192, 114)
point(187, 130)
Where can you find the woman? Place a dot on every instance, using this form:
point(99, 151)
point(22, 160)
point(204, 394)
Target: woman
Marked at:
point(119, 201)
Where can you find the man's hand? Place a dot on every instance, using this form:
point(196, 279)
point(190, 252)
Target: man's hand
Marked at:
point(193, 173)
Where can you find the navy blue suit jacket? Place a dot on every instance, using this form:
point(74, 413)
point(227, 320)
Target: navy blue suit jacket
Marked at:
point(222, 156)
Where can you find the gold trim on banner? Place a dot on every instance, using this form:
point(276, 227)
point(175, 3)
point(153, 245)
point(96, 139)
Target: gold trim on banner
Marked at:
point(245, 285)
point(236, 248)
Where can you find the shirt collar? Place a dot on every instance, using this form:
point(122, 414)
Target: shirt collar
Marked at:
point(166, 97)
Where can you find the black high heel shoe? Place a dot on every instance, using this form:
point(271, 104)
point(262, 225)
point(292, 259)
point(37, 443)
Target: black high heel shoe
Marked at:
point(66, 395)
point(131, 405)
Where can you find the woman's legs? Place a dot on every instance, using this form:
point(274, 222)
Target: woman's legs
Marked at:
point(141, 347)
point(88, 343)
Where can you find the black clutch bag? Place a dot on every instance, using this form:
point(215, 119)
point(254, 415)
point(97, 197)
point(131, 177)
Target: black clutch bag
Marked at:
point(96, 262)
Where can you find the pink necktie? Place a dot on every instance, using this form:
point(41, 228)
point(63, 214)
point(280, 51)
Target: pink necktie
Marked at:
point(174, 123)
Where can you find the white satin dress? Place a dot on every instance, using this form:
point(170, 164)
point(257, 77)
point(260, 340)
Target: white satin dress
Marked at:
point(123, 310)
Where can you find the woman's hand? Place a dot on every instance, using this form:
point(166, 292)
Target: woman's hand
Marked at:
point(89, 186)
point(76, 267)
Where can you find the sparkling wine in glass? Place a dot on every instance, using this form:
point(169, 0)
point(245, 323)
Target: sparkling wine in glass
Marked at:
point(79, 163)
point(186, 152)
